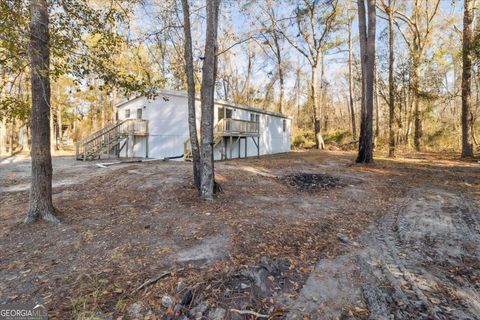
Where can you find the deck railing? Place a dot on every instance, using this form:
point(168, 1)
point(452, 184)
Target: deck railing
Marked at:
point(110, 134)
point(231, 126)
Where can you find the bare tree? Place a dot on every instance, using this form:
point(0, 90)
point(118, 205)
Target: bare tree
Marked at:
point(314, 24)
point(189, 71)
point(350, 78)
point(367, 52)
point(273, 39)
point(40, 205)
point(389, 10)
point(467, 114)
point(209, 71)
point(420, 27)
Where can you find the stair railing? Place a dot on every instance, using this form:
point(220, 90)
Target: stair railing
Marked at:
point(105, 137)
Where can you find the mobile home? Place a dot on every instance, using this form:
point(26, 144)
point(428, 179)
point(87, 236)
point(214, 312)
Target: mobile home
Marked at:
point(158, 128)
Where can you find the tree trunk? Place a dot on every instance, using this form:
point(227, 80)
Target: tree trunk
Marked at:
point(3, 135)
point(367, 50)
point(246, 86)
point(40, 204)
point(377, 104)
point(25, 138)
point(417, 137)
point(467, 115)
point(209, 67)
point(319, 144)
point(280, 71)
point(391, 83)
point(12, 136)
point(59, 128)
point(192, 118)
point(350, 81)
point(52, 129)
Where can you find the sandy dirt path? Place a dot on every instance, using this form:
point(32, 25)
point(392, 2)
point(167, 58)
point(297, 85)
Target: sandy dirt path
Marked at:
point(396, 239)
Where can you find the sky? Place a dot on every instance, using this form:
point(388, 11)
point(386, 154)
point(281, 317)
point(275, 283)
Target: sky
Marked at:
point(233, 18)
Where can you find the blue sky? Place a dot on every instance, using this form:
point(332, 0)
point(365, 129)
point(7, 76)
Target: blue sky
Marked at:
point(335, 64)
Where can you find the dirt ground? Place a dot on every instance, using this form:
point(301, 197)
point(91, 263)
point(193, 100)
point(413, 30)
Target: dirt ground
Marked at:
point(398, 239)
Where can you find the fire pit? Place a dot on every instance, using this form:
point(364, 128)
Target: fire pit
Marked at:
point(311, 181)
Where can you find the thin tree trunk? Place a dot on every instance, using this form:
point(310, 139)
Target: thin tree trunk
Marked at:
point(246, 85)
point(280, 72)
point(391, 82)
point(467, 115)
point(367, 49)
point(319, 144)
point(12, 136)
point(207, 188)
point(350, 81)
point(297, 93)
point(377, 105)
point(26, 146)
point(40, 204)
point(59, 128)
point(192, 118)
point(417, 113)
point(3, 130)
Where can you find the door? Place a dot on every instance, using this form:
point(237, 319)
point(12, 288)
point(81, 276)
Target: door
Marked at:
point(225, 113)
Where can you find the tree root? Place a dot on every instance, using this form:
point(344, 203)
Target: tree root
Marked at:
point(47, 215)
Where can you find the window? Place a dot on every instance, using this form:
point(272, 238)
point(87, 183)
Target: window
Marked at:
point(254, 117)
point(228, 113)
point(139, 113)
point(284, 125)
point(116, 116)
point(127, 113)
point(224, 113)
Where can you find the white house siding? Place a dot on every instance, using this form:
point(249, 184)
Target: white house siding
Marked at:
point(167, 117)
point(272, 137)
point(167, 125)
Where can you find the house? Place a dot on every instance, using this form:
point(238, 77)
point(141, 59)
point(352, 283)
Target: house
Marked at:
point(158, 128)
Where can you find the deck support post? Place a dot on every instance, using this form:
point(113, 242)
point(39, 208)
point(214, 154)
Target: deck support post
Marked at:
point(146, 146)
point(239, 140)
point(246, 139)
point(146, 140)
point(126, 146)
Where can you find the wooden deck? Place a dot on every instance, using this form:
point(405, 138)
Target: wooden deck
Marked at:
point(227, 133)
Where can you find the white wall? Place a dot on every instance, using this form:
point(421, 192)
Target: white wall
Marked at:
point(168, 128)
point(272, 137)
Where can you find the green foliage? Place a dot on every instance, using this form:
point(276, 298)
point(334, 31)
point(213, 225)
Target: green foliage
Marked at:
point(338, 137)
point(303, 139)
point(12, 108)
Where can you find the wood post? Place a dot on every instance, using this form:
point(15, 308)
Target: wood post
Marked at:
point(146, 146)
point(146, 140)
point(239, 140)
point(126, 146)
point(246, 139)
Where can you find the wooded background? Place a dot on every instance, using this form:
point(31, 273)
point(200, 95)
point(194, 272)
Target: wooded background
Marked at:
point(298, 57)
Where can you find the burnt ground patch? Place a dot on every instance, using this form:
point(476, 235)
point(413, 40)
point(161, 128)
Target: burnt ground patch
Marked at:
point(303, 181)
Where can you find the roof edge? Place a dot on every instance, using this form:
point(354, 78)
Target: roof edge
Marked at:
point(217, 101)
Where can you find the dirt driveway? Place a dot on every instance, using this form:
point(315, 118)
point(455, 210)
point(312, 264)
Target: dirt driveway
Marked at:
point(397, 239)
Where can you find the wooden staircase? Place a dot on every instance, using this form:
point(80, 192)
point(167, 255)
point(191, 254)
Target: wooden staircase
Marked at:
point(109, 137)
point(187, 147)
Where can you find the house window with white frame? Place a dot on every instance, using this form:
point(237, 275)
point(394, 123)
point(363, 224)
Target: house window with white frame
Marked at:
point(127, 113)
